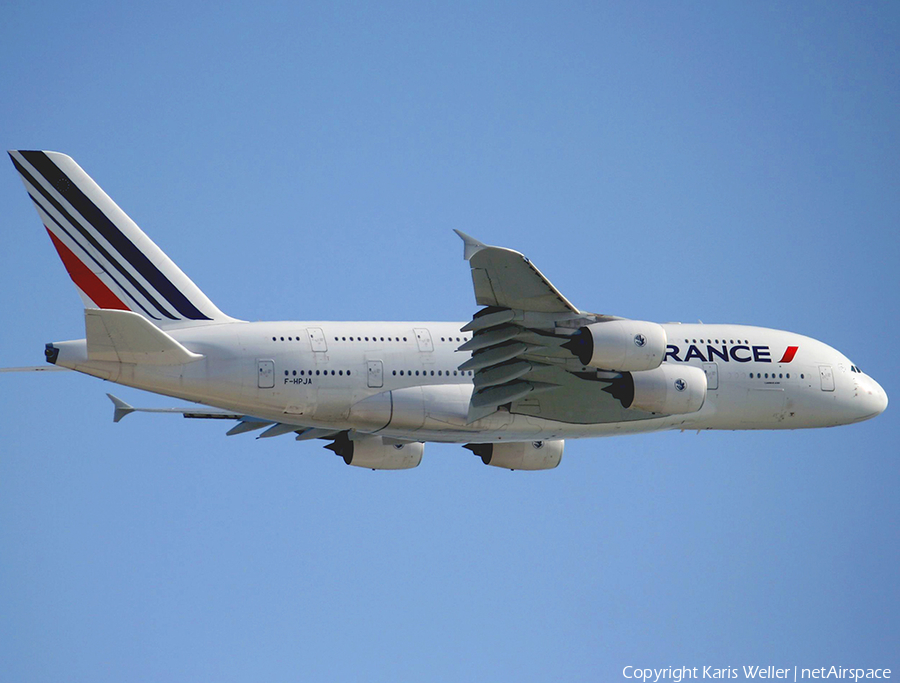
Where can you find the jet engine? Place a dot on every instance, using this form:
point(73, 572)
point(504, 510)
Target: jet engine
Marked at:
point(531, 455)
point(669, 389)
point(372, 452)
point(624, 345)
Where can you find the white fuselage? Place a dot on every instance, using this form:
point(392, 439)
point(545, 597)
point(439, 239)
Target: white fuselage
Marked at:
point(540, 369)
point(401, 380)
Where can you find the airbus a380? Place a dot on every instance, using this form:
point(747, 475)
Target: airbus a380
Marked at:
point(529, 369)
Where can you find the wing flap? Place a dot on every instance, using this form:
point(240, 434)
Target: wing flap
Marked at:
point(247, 425)
point(516, 345)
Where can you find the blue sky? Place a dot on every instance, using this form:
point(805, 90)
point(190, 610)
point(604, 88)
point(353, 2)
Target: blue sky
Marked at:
point(730, 162)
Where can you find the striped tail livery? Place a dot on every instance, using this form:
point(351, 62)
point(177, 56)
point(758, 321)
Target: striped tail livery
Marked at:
point(112, 262)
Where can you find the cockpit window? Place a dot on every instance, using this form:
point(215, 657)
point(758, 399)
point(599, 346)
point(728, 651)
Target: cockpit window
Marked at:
point(855, 368)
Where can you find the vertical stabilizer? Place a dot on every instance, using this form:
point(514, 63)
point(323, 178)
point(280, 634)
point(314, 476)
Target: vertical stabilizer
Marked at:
point(112, 262)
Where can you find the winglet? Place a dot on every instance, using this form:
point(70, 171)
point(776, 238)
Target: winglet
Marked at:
point(472, 246)
point(122, 408)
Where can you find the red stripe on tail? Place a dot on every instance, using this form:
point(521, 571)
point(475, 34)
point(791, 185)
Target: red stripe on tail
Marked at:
point(789, 354)
point(85, 279)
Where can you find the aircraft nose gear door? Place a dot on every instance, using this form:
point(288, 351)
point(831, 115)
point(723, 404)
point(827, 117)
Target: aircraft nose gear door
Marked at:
point(827, 376)
point(265, 374)
point(375, 374)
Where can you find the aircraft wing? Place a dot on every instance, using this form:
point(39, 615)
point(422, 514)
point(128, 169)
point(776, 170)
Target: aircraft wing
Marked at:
point(518, 339)
point(505, 278)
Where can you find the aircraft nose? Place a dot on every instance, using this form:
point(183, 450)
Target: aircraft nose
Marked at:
point(880, 398)
point(874, 398)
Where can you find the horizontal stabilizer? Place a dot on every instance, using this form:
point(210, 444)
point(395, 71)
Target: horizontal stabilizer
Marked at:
point(36, 368)
point(122, 409)
point(126, 337)
point(246, 423)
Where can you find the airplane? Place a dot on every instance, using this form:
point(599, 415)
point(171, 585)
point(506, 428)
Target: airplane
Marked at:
point(529, 370)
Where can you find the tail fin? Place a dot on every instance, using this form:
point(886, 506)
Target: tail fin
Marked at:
point(112, 262)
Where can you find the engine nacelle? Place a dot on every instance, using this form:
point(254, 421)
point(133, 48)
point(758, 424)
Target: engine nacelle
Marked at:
point(624, 345)
point(531, 455)
point(670, 389)
point(373, 453)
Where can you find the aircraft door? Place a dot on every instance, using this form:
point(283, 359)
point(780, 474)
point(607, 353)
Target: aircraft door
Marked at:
point(265, 374)
point(712, 375)
point(317, 339)
point(423, 339)
point(374, 374)
point(826, 376)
